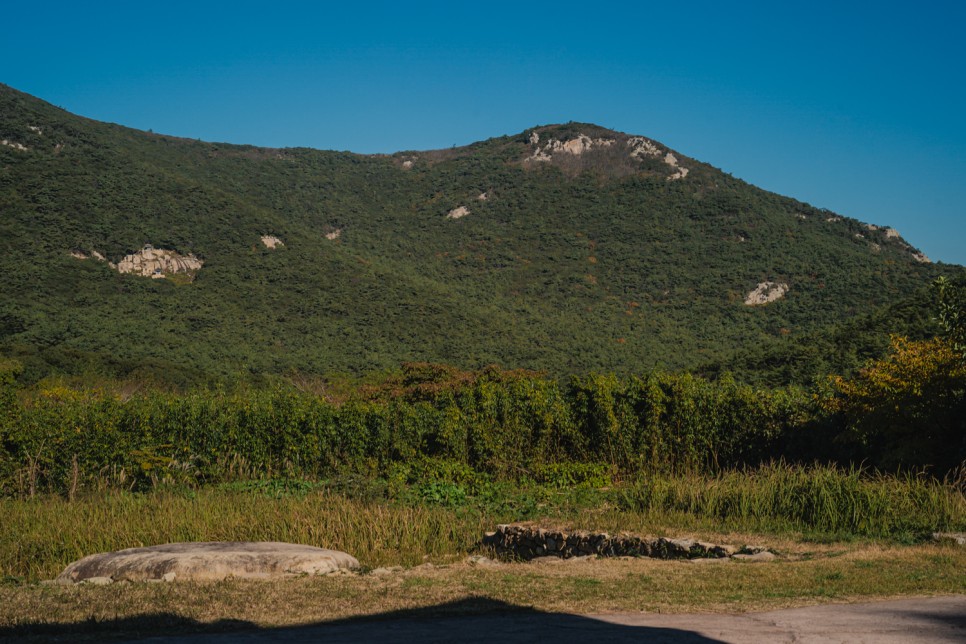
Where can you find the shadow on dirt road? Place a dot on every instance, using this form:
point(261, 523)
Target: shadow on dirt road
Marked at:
point(918, 620)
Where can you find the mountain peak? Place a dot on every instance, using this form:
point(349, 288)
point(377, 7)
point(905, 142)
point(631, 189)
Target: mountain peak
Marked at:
point(576, 147)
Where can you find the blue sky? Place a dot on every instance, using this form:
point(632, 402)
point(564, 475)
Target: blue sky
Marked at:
point(859, 107)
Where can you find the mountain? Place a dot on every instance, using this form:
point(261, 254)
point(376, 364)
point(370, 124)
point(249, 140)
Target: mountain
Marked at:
point(565, 248)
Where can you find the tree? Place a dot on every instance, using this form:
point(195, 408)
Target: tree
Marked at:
point(951, 304)
point(908, 409)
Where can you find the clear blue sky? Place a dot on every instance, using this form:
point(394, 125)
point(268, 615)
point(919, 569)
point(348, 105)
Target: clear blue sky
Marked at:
point(859, 107)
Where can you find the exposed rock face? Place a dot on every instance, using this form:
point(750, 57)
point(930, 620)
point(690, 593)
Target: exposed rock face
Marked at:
point(680, 172)
point(14, 145)
point(524, 541)
point(892, 236)
point(79, 254)
point(271, 241)
point(576, 146)
point(157, 263)
point(566, 151)
point(641, 147)
point(208, 561)
point(458, 212)
point(766, 292)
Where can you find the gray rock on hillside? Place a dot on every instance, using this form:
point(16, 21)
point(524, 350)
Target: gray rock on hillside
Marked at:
point(208, 561)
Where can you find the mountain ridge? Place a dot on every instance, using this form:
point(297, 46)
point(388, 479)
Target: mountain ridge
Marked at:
point(569, 252)
point(579, 129)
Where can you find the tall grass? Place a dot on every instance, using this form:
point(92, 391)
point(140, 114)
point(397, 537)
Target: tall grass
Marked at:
point(42, 535)
point(817, 499)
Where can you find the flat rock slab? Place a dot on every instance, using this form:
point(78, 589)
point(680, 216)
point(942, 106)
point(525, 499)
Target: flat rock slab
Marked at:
point(208, 561)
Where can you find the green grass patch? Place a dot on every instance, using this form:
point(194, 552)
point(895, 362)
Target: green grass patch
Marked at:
point(431, 519)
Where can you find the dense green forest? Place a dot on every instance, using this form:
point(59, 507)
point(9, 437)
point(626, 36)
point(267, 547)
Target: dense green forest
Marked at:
point(906, 411)
point(562, 306)
point(602, 261)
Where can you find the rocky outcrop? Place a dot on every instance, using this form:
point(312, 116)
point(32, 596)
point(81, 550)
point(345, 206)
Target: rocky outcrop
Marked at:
point(679, 171)
point(566, 152)
point(525, 541)
point(576, 146)
point(13, 144)
point(207, 561)
point(158, 263)
point(271, 241)
point(641, 147)
point(888, 235)
point(766, 292)
point(79, 254)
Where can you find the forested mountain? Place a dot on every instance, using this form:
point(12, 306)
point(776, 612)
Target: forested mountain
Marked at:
point(565, 248)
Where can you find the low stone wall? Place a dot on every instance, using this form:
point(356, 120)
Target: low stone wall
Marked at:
point(524, 541)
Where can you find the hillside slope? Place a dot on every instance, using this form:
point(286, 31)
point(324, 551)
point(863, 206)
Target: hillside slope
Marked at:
point(564, 248)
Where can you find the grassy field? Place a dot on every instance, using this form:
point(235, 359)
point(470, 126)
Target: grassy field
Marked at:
point(812, 573)
point(437, 518)
point(841, 535)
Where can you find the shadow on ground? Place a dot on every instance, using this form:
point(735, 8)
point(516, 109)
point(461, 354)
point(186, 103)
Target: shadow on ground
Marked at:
point(468, 620)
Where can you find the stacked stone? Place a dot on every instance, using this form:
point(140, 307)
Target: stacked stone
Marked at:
point(522, 541)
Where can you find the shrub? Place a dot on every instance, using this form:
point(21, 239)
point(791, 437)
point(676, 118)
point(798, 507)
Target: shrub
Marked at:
point(907, 410)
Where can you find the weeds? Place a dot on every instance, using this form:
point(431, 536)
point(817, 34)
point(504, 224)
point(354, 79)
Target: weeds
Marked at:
point(818, 500)
point(439, 518)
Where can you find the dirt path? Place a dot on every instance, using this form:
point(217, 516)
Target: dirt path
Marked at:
point(918, 620)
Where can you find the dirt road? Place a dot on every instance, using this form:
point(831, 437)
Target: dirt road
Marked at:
point(905, 621)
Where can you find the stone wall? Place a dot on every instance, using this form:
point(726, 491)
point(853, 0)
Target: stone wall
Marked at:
point(524, 541)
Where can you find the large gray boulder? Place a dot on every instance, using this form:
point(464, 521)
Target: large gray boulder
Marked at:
point(208, 561)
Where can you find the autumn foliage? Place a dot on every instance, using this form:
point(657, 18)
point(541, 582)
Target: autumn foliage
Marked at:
point(907, 409)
